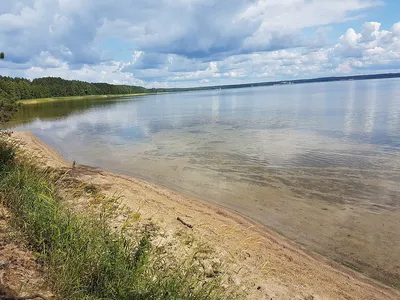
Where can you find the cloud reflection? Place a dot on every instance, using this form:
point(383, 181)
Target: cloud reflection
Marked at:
point(349, 112)
point(370, 108)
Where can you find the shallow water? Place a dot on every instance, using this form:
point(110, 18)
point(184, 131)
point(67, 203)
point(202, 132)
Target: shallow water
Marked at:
point(316, 162)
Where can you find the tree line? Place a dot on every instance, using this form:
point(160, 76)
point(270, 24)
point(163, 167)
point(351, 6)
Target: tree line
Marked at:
point(47, 87)
point(14, 89)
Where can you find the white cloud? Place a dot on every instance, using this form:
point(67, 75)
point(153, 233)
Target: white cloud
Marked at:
point(372, 47)
point(104, 72)
point(191, 42)
point(188, 27)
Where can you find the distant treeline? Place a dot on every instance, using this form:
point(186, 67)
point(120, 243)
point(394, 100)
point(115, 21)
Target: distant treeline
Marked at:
point(47, 87)
point(271, 83)
point(14, 89)
point(20, 88)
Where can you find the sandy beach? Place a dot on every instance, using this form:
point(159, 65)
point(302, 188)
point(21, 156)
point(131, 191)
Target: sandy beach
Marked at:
point(262, 263)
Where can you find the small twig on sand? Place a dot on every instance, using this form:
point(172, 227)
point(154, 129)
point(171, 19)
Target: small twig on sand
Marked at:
point(184, 223)
point(5, 297)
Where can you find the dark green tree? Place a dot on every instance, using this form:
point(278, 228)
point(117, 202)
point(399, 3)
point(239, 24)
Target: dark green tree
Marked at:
point(20, 88)
point(8, 105)
point(14, 89)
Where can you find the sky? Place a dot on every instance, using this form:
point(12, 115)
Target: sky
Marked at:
point(185, 43)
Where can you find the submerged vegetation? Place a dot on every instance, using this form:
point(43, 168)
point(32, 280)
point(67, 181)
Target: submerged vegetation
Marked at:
point(83, 257)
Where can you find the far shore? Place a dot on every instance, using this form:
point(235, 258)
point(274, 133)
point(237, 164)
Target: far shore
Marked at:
point(54, 99)
point(263, 262)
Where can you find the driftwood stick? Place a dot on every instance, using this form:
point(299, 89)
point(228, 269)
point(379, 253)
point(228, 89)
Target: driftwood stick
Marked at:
point(184, 223)
point(5, 297)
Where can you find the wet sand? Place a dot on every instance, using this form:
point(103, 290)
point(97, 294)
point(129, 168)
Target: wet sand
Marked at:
point(267, 265)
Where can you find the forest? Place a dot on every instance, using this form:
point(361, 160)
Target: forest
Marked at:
point(47, 87)
point(14, 89)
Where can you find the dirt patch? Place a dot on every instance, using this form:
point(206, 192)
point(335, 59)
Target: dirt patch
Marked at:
point(20, 274)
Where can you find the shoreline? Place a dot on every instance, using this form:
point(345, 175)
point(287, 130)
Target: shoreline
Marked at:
point(280, 267)
point(74, 98)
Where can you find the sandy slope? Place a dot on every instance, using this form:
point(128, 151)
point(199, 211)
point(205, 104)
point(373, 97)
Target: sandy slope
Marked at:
point(264, 264)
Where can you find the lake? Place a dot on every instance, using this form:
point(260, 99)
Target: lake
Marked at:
point(318, 163)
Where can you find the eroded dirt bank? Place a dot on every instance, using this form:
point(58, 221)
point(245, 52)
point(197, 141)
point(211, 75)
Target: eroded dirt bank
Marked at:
point(20, 274)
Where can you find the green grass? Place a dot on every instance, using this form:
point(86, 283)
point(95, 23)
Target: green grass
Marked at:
point(45, 100)
point(83, 257)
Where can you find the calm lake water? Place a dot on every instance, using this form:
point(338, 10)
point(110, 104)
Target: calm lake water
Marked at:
point(319, 163)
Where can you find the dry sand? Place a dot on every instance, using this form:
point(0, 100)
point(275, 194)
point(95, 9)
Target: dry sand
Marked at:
point(265, 265)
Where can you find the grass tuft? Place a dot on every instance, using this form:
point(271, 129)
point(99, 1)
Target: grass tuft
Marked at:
point(83, 257)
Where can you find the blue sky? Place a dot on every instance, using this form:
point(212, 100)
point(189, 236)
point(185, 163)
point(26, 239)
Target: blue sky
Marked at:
point(179, 43)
